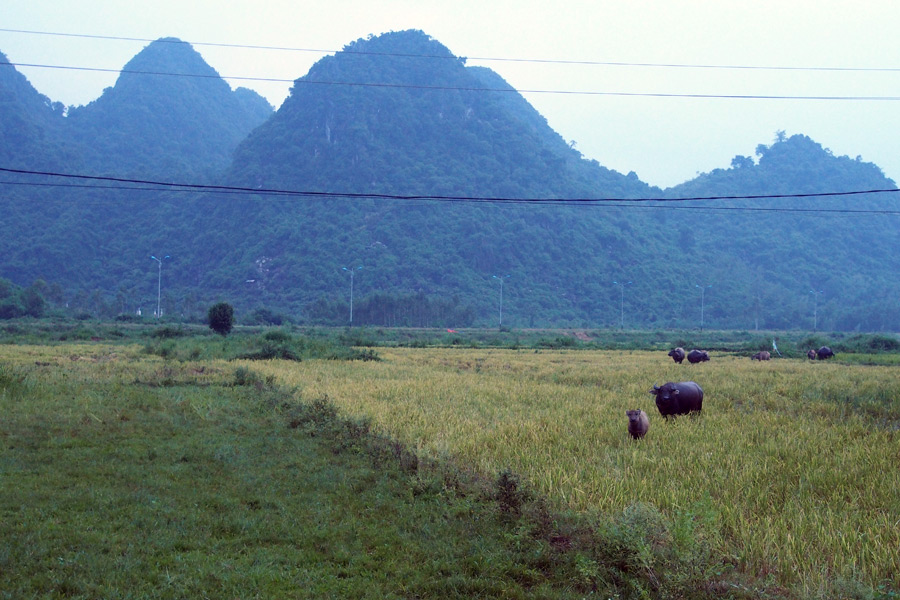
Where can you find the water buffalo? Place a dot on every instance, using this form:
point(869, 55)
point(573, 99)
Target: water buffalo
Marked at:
point(678, 398)
point(824, 352)
point(695, 356)
point(761, 355)
point(811, 354)
point(677, 355)
point(638, 423)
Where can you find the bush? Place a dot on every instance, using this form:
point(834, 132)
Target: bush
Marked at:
point(870, 344)
point(278, 335)
point(244, 376)
point(264, 316)
point(271, 351)
point(221, 318)
point(813, 341)
point(168, 332)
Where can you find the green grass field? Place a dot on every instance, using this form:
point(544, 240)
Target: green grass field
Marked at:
point(126, 474)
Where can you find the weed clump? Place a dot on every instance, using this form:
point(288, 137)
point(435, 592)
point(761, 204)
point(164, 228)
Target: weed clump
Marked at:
point(168, 332)
point(509, 496)
point(248, 377)
point(11, 381)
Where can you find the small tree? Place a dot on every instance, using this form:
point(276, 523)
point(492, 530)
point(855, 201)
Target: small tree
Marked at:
point(221, 318)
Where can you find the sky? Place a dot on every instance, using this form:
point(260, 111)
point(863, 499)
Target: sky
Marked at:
point(632, 107)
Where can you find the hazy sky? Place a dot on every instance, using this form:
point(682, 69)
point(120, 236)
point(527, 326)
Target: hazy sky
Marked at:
point(665, 140)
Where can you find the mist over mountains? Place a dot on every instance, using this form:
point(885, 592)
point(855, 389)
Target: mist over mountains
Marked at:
point(442, 183)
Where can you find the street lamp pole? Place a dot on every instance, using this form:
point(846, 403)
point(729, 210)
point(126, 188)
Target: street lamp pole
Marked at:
point(159, 284)
point(352, 272)
point(501, 278)
point(702, 301)
point(816, 308)
point(622, 303)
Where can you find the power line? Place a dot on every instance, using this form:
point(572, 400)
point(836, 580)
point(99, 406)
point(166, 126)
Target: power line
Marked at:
point(479, 58)
point(463, 89)
point(655, 202)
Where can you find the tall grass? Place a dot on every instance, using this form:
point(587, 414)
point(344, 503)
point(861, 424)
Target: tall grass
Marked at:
point(793, 464)
point(790, 473)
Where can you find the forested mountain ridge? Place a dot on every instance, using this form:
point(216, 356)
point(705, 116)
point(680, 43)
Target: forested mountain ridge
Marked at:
point(30, 124)
point(398, 115)
point(789, 254)
point(155, 124)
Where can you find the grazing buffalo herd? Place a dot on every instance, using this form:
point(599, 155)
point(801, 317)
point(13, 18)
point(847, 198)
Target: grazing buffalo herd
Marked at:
point(694, 356)
point(686, 397)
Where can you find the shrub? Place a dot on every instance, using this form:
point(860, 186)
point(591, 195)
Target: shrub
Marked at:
point(278, 335)
point(270, 351)
point(221, 318)
point(264, 316)
point(870, 344)
point(812, 341)
point(244, 376)
point(168, 332)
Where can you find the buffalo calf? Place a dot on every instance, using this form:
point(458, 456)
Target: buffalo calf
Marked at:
point(638, 423)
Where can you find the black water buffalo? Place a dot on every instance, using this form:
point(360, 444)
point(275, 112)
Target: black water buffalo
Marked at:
point(678, 398)
point(811, 354)
point(761, 355)
point(824, 352)
point(677, 355)
point(695, 356)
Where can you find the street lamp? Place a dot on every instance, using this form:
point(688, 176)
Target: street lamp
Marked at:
point(702, 293)
point(622, 305)
point(816, 307)
point(159, 284)
point(501, 278)
point(352, 272)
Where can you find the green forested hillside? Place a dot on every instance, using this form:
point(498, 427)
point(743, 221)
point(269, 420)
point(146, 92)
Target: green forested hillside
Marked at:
point(181, 127)
point(396, 116)
point(836, 256)
point(30, 125)
point(399, 114)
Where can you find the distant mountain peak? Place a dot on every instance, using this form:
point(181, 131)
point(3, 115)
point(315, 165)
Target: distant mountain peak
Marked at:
point(400, 113)
point(169, 113)
point(169, 55)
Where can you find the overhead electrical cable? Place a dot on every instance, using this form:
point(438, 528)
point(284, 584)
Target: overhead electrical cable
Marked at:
point(303, 81)
point(655, 202)
point(480, 58)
